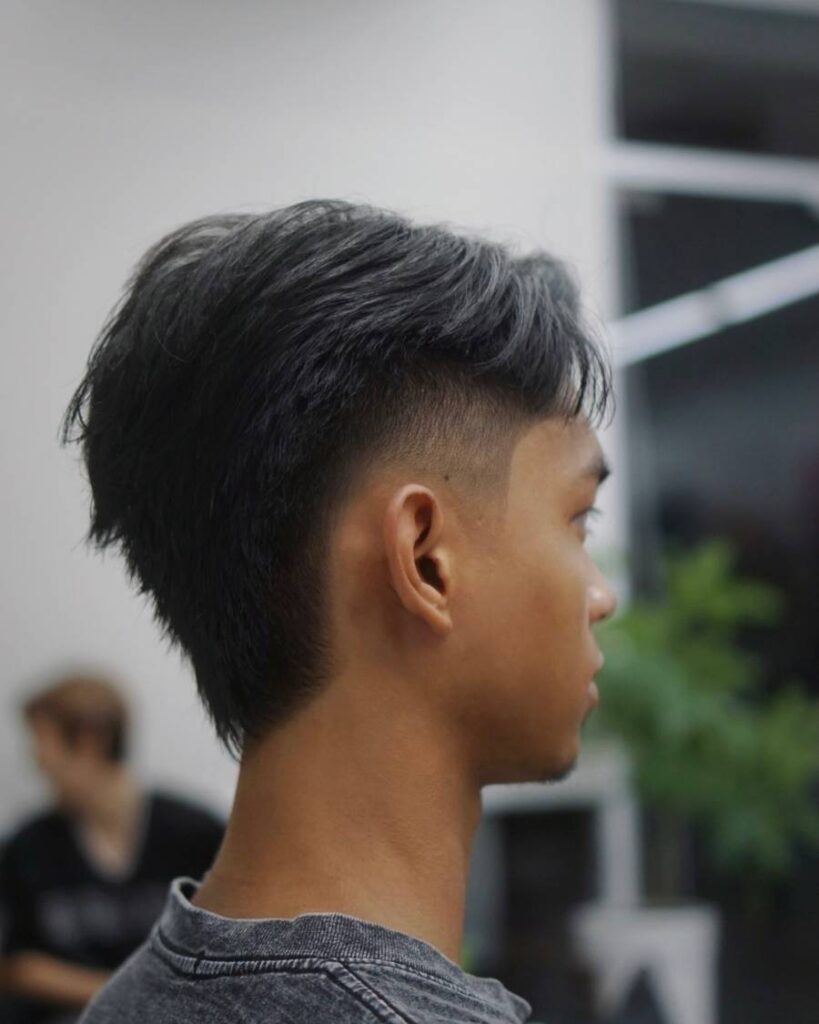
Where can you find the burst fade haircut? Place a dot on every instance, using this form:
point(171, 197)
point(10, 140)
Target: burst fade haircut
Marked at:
point(255, 366)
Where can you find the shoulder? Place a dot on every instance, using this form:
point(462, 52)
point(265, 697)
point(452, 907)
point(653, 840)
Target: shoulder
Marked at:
point(269, 991)
point(190, 831)
point(421, 994)
point(33, 851)
point(181, 838)
point(182, 815)
point(33, 833)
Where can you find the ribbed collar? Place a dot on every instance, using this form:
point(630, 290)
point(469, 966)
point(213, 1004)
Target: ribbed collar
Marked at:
point(199, 933)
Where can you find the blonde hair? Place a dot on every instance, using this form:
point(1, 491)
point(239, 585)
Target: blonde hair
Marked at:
point(84, 704)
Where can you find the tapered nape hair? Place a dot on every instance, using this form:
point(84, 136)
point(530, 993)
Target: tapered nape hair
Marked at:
point(256, 364)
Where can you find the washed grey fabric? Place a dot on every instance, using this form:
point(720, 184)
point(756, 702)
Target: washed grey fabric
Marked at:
point(201, 968)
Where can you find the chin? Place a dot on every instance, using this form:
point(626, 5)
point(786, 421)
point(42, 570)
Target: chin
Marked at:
point(536, 757)
point(555, 770)
point(561, 773)
point(563, 764)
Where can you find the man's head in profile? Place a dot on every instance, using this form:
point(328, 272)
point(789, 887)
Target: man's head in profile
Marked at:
point(352, 461)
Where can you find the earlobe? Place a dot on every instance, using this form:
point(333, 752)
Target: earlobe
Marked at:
point(420, 573)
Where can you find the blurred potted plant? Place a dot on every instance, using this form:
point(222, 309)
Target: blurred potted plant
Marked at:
point(707, 748)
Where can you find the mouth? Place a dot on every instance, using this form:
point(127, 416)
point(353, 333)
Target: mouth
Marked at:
point(592, 691)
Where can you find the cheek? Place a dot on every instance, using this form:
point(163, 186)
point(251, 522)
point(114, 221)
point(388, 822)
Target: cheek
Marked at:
point(552, 593)
point(532, 626)
point(526, 608)
point(550, 669)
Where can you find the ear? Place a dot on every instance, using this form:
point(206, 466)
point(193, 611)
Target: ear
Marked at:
point(420, 568)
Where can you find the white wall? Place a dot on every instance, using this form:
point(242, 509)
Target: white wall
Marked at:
point(121, 120)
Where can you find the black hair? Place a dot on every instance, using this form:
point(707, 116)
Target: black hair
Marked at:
point(254, 365)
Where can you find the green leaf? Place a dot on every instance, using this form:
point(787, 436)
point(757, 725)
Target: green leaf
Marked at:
point(705, 744)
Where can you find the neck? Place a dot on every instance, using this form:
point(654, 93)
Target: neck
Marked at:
point(113, 803)
point(360, 805)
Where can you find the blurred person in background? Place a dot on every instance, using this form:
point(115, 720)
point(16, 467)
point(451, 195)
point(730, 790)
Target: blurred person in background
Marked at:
point(352, 461)
point(81, 885)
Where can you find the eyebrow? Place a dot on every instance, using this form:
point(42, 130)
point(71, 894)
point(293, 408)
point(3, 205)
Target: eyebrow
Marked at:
point(598, 469)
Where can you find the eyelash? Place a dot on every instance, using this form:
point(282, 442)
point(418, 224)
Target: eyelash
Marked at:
point(595, 513)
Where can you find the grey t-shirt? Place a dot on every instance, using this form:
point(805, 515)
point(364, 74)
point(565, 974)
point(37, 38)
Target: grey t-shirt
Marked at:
point(200, 968)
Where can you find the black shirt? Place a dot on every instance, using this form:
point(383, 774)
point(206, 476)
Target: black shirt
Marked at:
point(54, 899)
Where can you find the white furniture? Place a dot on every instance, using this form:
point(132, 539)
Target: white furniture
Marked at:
point(600, 784)
point(678, 946)
point(616, 935)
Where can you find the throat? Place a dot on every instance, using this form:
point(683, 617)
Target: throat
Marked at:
point(111, 836)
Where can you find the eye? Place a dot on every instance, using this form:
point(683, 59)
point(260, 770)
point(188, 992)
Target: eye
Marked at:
point(592, 512)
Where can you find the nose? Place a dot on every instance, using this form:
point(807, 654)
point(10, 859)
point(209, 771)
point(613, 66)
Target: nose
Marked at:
point(602, 600)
